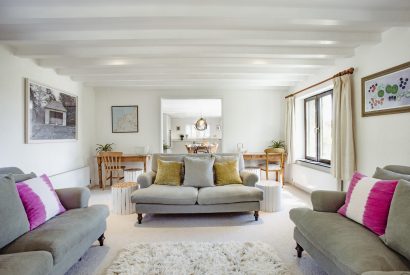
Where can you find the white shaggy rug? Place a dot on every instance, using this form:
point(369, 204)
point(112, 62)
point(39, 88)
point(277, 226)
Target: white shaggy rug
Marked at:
point(198, 258)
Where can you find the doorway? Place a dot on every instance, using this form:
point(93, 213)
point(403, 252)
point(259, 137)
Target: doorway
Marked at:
point(191, 126)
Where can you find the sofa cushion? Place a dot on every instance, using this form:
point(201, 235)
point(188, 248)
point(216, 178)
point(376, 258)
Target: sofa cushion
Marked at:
point(401, 169)
point(199, 172)
point(169, 173)
point(21, 177)
point(227, 173)
point(27, 263)
point(229, 194)
point(165, 194)
point(13, 218)
point(349, 245)
point(389, 175)
point(62, 233)
point(397, 231)
point(40, 200)
point(368, 202)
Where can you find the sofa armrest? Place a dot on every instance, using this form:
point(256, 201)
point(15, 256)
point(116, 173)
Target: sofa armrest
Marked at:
point(327, 201)
point(75, 197)
point(248, 178)
point(146, 179)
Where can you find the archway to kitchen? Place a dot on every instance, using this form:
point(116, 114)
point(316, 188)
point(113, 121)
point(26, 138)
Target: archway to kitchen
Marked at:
point(191, 125)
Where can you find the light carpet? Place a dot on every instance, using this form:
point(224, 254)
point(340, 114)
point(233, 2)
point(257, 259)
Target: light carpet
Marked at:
point(207, 258)
point(275, 229)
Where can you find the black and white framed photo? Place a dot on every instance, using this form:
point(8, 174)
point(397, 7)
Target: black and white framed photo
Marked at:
point(124, 119)
point(51, 114)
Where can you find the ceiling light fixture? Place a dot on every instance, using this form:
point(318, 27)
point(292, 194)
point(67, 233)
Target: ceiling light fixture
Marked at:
point(201, 124)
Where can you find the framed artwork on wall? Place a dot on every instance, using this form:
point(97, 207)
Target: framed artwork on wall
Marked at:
point(124, 119)
point(51, 114)
point(387, 92)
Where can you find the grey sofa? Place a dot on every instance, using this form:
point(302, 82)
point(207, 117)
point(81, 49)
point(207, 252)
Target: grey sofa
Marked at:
point(53, 247)
point(163, 199)
point(342, 246)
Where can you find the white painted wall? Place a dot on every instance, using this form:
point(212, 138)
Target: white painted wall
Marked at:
point(49, 158)
point(252, 117)
point(380, 140)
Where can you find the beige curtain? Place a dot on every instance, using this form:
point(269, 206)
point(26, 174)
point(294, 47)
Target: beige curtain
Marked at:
point(290, 128)
point(343, 161)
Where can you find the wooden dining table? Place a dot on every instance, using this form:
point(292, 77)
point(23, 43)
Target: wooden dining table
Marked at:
point(125, 158)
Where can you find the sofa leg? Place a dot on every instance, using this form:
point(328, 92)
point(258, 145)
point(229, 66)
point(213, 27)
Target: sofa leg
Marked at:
point(139, 218)
point(299, 249)
point(101, 239)
point(256, 215)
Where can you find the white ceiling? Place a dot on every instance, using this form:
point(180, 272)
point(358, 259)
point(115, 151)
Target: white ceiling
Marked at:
point(193, 43)
point(180, 108)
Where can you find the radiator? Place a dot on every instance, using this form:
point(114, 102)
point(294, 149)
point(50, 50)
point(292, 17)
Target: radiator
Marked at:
point(75, 178)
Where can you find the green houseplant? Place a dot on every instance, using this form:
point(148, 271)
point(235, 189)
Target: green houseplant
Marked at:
point(278, 146)
point(104, 147)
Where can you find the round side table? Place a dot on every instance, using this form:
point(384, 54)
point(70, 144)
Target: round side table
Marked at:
point(272, 195)
point(121, 198)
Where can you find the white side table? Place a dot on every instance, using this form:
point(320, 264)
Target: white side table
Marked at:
point(272, 195)
point(121, 197)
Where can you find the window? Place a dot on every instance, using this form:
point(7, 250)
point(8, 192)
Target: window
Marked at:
point(318, 127)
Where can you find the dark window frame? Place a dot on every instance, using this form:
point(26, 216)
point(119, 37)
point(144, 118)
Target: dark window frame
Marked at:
point(315, 98)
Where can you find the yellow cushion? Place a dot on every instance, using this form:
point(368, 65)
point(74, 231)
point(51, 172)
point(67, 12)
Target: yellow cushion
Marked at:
point(168, 173)
point(227, 172)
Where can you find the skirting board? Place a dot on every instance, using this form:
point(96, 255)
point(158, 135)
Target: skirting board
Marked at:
point(75, 178)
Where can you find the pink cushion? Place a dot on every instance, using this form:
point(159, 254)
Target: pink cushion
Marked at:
point(39, 200)
point(368, 202)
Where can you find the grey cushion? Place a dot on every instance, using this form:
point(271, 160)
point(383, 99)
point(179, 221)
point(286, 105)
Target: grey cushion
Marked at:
point(401, 169)
point(199, 172)
point(350, 246)
point(13, 218)
point(389, 175)
point(62, 233)
point(165, 194)
point(21, 177)
point(397, 234)
point(231, 193)
point(27, 263)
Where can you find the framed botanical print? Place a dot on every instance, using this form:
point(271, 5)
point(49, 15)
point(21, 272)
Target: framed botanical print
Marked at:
point(124, 119)
point(51, 114)
point(387, 92)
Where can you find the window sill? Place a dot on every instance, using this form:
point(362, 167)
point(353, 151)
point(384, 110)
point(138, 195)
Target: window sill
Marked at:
point(323, 167)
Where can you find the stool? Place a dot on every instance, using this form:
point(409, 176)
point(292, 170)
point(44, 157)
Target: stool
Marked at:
point(255, 170)
point(272, 195)
point(121, 197)
point(131, 174)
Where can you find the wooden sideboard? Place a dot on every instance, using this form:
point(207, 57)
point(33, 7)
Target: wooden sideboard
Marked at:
point(125, 158)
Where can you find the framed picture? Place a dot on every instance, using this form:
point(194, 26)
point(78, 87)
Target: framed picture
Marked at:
point(124, 119)
point(51, 114)
point(387, 92)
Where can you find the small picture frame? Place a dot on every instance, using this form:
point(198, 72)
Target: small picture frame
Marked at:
point(124, 119)
point(387, 92)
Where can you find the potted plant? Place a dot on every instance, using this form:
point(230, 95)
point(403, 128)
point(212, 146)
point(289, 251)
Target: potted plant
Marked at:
point(104, 148)
point(278, 146)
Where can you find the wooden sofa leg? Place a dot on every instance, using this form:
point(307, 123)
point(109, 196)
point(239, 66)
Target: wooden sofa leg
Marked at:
point(139, 218)
point(299, 249)
point(101, 239)
point(256, 215)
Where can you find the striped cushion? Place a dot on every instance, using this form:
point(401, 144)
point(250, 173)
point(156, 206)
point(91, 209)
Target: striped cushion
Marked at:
point(39, 200)
point(368, 202)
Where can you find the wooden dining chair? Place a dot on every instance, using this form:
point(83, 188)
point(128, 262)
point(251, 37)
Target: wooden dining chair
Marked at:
point(190, 149)
point(112, 166)
point(274, 162)
point(213, 148)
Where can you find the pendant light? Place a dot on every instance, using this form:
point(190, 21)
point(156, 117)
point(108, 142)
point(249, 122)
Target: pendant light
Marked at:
point(201, 124)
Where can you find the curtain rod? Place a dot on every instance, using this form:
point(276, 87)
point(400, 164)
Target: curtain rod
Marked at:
point(347, 71)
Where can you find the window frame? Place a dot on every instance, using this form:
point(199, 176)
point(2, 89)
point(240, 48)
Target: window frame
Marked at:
point(316, 98)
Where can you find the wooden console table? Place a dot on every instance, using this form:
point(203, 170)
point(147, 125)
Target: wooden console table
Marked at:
point(262, 156)
point(125, 158)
